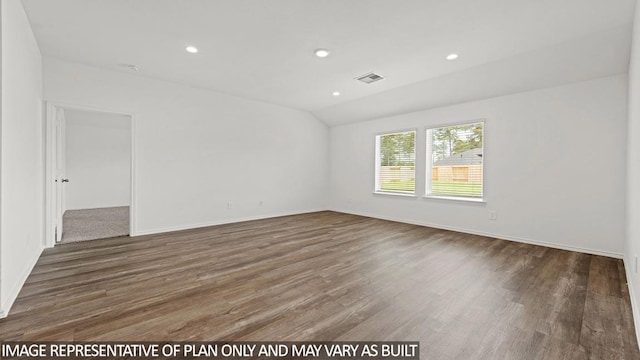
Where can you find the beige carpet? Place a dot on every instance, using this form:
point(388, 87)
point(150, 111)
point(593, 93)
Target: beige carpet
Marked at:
point(92, 224)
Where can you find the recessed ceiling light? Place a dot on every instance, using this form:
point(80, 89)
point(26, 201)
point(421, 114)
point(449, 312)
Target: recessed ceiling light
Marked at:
point(336, 93)
point(321, 53)
point(192, 49)
point(452, 56)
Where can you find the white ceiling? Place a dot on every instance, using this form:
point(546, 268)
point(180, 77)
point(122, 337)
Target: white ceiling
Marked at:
point(263, 50)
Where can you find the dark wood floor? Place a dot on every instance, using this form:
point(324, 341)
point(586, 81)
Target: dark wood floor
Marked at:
point(331, 276)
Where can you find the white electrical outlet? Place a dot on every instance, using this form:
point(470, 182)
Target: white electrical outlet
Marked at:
point(493, 215)
point(229, 204)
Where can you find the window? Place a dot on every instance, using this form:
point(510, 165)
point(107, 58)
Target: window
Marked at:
point(455, 161)
point(396, 162)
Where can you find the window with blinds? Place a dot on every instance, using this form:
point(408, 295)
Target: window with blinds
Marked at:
point(396, 162)
point(455, 161)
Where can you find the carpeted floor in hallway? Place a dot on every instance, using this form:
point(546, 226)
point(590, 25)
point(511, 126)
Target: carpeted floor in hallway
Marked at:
point(92, 224)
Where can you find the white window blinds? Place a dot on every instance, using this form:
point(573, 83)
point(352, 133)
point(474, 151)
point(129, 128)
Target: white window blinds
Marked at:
point(395, 162)
point(455, 159)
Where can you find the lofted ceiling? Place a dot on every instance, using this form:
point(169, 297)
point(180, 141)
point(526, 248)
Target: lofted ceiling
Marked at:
point(263, 49)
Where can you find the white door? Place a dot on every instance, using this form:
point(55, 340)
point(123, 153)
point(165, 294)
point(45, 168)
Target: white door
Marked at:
point(59, 167)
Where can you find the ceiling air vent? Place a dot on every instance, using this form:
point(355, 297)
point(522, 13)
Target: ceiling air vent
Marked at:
point(370, 78)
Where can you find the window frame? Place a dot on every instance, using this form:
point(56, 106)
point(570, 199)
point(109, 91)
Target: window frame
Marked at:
point(428, 194)
point(376, 189)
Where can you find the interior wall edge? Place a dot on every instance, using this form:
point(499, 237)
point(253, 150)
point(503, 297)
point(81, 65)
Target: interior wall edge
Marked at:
point(2, 312)
point(225, 221)
point(13, 293)
point(444, 106)
point(488, 234)
point(632, 296)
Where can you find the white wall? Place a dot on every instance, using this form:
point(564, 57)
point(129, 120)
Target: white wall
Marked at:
point(632, 246)
point(21, 236)
point(554, 167)
point(98, 160)
point(196, 150)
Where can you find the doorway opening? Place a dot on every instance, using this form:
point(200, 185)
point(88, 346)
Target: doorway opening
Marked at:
point(89, 174)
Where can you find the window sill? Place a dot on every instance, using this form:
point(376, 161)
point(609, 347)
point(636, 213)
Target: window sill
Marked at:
point(390, 193)
point(479, 201)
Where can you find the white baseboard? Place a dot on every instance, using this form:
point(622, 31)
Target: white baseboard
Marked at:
point(632, 296)
point(222, 222)
point(482, 233)
point(13, 293)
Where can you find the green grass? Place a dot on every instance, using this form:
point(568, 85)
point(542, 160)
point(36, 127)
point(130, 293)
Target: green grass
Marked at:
point(408, 185)
point(447, 188)
point(444, 188)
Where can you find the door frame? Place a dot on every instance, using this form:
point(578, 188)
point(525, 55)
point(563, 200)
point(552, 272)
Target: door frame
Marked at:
point(60, 145)
point(50, 153)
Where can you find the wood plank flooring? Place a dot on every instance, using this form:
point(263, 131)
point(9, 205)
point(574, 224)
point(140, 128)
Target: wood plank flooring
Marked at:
point(332, 276)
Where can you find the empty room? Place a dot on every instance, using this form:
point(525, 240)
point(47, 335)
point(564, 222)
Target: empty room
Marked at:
point(388, 179)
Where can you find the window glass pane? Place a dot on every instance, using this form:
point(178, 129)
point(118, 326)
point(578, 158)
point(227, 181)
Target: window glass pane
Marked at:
point(395, 162)
point(456, 160)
